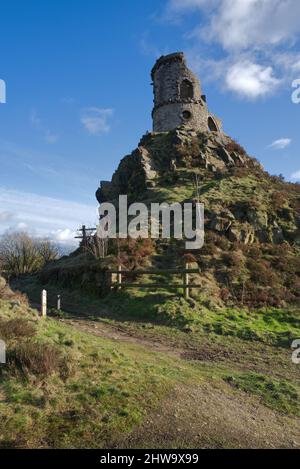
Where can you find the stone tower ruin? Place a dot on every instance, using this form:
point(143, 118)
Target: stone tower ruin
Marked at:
point(178, 99)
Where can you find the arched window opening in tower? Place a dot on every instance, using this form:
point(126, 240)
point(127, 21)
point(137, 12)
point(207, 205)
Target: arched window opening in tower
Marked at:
point(186, 90)
point(212, 125)
point(186, 115)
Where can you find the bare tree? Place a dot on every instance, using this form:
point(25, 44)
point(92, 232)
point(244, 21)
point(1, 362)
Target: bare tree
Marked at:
point(21, 254)
point(48, 251)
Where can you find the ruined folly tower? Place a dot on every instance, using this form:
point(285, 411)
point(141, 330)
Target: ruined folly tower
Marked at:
point(178, 99)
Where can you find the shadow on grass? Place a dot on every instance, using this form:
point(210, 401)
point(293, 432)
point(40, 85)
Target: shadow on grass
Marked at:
point(161, 307)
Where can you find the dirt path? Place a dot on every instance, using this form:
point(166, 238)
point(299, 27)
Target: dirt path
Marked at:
point(244, 356)
point(107, 331)
point(206, 416)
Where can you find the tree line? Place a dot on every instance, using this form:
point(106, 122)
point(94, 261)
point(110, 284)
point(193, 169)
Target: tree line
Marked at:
point(21, 253)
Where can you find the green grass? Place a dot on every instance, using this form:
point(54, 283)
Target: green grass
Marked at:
point(234, 189)
point(277, 394)
point(198, 316)
point(270, 325)
point(111, 389)
point(114, 385)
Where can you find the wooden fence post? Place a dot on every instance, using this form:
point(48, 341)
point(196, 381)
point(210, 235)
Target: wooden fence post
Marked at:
point(58, 303)
point(44, 303)
point(186, 283)
point(119, 276)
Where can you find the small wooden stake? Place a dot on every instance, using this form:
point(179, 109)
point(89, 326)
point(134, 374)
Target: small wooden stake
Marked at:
point(44, 303)
point(119, 277)
point(186, 282)
point(2, 352)
point(58, 303)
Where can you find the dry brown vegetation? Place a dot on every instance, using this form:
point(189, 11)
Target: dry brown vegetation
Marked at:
point(16, 328)
point(31, 357)
point(233, 146)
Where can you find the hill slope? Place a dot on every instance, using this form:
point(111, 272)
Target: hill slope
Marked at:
point(95, 383)
point(252, 219)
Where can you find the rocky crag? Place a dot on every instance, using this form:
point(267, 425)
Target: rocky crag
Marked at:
point(252, 219)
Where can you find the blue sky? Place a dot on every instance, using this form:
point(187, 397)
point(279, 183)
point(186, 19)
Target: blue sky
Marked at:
point(79, 97)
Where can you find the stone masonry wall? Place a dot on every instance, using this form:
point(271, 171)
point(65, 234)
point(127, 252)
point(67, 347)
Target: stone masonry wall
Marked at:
point(171, 108)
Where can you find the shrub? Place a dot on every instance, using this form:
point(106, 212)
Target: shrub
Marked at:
point(16, 328)
point(234, 146)
point(279, 200)
point(233, 259)
point(239, 171)
point(213, 241)
point(133, 253)
point(37, 359)
point(262, 273)
point(189, 258)
point(7, 294)
point(186, 153)
point(255, 295)
point(224, 294)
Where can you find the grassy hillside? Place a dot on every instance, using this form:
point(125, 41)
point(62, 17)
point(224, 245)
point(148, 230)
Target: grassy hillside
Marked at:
point(147, 371)
point(148, 368)
point(251, 254)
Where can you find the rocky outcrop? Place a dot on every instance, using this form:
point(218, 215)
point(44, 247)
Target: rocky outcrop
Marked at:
point(135, 173)
point(243, 212)
point(161, 153)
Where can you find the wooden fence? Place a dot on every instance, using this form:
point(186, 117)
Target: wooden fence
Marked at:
point(116, 279)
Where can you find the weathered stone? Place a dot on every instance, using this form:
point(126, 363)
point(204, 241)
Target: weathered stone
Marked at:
point(147, 163)
point(2, 283)
point(178, 99)
point(244, 234)
point(277, 235)
point(225, 155)
point(257, 218)
point(173, 166)
point(234, 234)
point(220, 223)
point(226, 213)
point(237, 157)
point(247, 235)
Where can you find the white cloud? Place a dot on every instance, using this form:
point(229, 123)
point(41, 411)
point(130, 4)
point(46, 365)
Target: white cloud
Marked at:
point(262, 33)
point(281, 143)
point(251, 80)
point(296, 176)
point(5, 216)
point(22, 227)
point(38, 124)
point(50, 137)
point(65, 236)
point(240, 24)
point(68, 100)
point(96, 120)
point(43, 216)
point(148, 48)
point(176, 7)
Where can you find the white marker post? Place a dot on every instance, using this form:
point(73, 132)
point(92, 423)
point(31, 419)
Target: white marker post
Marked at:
point(44, 304)
point(2, 352)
